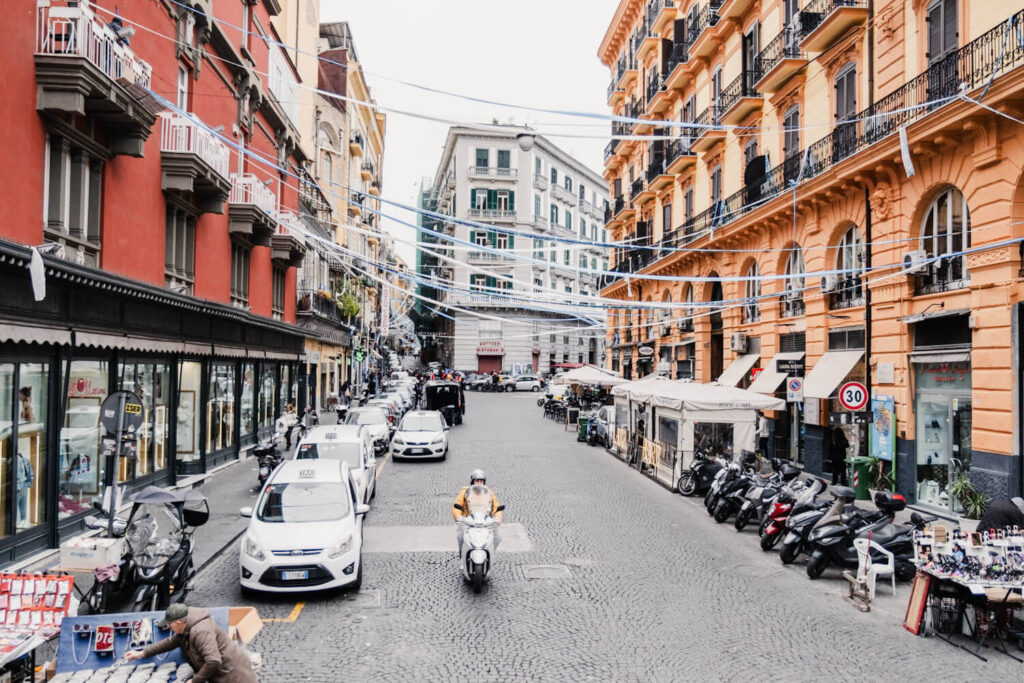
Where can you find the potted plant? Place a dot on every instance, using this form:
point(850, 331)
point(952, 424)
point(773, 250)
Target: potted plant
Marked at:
point(971, 500)
point(881, 478)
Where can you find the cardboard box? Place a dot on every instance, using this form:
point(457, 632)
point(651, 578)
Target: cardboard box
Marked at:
point(88, 553)
point(244, 623)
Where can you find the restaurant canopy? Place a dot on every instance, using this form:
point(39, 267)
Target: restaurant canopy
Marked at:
point(592, 375)
point(687, 395)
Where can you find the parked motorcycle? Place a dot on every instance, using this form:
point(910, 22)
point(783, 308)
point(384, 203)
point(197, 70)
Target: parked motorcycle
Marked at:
point(761, 494)
point(159, 537)
point(773, 526)
point(268, 457)
point(111, 584)
point(697, 480)
point(726, 482)
point(478, 536)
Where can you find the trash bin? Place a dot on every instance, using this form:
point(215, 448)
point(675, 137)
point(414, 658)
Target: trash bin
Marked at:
point(862, 478)
point(582, 422)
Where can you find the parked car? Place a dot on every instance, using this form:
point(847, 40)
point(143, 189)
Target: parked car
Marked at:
point(477, 381)
point(352, 444)
point(394, 414)
point(305, 531)
point(525, 383)
point(421, 434)
point(375, 420)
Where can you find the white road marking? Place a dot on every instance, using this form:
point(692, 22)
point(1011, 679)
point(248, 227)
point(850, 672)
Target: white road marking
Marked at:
point(436, 539)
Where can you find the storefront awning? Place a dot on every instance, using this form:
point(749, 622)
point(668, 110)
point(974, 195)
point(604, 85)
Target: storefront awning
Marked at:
point(100, 340)
point(769, 380)
point(829, 371)
point(940, 357)
point(942, 313)
point(33, 335)
point(734, 374)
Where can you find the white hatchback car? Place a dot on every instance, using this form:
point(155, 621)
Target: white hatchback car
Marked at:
point(421, 434)
point(352, 444)
point(306, 531)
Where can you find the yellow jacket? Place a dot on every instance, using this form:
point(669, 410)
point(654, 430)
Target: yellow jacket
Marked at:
point(461, 500)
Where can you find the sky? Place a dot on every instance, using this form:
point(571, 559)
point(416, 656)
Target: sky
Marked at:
point(540, 53)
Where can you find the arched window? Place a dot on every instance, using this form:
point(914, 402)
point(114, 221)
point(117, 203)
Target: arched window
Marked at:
point(793, 286)
point(665, 317)
point(849, 280)
point(946, 231)
point(686, 319)
point(751, 310)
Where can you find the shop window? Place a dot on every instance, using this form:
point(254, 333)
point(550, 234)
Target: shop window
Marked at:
point(179, 254)
point(751, 306)
point(266, 398)
point(151, 381)
point(72, 197)
point(247, 419)
point(80, 478)
point(668, 431)
point(945, 234)
point(186, 417)
point(220, 407)
point(713, 437)
point(285, 395)
point(792, 304)
point(23, 394)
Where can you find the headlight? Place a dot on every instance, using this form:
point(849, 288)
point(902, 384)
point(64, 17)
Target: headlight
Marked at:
point(253, 549)
point(340, 549)
point(398, 440)
point(437, 441)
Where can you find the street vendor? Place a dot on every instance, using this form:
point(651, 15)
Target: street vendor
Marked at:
point(210, 652)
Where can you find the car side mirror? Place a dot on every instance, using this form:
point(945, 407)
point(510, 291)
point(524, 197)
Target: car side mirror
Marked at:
point(499, 508)
point(245, 512)
point(446, 428)
point(362, 509)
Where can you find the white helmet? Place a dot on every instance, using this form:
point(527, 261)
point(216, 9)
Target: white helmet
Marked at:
point(477, 474)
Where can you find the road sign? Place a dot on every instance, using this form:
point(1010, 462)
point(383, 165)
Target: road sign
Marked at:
point(858, 418)
point(794, 389)
point(853, 396)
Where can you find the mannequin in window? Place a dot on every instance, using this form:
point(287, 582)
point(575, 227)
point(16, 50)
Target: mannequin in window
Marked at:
point(25, 396)
point(23, 479)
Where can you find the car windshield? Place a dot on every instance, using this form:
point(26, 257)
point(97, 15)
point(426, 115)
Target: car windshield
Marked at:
point(422, 423)
point(327, 450)
point(365, 417)
point(304, 501)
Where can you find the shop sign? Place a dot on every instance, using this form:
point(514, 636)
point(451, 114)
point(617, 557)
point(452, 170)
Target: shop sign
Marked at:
point(755, 372)
point(490, 347)
point(82, 387)
point(790, 367)
point(950, 376)
point(126, 403)
point(313, 357)
point(645, 351)
point(883, 430)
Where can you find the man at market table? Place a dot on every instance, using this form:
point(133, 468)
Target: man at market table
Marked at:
point(210, 652)
point(1001, 514)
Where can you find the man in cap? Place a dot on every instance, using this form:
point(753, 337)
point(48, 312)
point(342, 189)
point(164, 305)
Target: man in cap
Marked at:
point(210, 652)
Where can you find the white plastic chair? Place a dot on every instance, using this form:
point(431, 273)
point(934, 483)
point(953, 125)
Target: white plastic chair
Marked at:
point(868, 570)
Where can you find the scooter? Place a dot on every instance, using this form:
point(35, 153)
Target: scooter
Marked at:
point(268, 458)
point(760, 496)
point(799, 526)
point(697, 480)
point(723, 480)
point(478, 536)
point(773, 526)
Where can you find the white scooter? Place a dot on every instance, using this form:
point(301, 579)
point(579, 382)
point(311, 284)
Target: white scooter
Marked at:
point(478, 536)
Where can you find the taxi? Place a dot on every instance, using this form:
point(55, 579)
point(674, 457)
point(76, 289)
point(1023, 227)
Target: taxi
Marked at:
point(352, 444)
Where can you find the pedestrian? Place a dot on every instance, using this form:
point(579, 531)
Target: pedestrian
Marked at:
point(209, 651)
point(837, 446)
point(288, 421)
point(762, 435)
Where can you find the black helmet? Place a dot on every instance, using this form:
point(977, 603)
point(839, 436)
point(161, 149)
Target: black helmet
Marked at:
point(477, 474)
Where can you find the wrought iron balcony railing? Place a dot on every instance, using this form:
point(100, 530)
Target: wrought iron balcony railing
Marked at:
point(742, 86)
point(707, 16)
point(816, 11)
point(786, 45)
point(680, 55)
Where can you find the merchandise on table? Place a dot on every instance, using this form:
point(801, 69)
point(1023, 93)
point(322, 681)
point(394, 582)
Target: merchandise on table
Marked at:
point(128, 673)
point(32, 604)
point(978, 557)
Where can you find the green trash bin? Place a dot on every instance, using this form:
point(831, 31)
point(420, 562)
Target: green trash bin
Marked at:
point(582, 422)
point(861, 478)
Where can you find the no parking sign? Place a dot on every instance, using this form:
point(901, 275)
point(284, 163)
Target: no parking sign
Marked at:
point(794, 389)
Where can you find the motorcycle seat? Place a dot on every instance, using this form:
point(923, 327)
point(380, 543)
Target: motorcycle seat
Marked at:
point(887, 533)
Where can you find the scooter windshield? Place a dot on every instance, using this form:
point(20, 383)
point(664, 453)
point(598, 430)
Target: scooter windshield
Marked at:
point(154, 534)
point(478, 501)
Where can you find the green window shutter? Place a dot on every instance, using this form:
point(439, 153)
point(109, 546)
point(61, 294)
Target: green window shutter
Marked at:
point(511, 201)
point(511, 241)
point(492, 199)
point(472, 199)
point(472, 236)
point(492, 238)
point(492, 282)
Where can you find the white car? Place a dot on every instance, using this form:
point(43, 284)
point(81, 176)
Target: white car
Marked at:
point(421, 434)
point(352, 444)
point(375, 420)
point(525, 383)
point(306, 531)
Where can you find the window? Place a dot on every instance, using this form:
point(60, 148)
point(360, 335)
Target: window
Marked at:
point(751, 309)
point(554, 215)
point(583, 228)
point(850, 264)
point(504, 159)
point(503, 241)
point(554, 175)
point(791, 143)
point(538, 283)
point(554, 255)
point(483, 158)
point(536, 207)
point(179, 254)
point(565, 256)
point(583, 192)
point(568, 183)
point(538, 248)
point(568, 219)
point(477, 282)
point(716, 95)
point(503, 200)
point(686, 321)
point(277, 293)
point(749, 152)
point(326, 167)
point(72, 197)
point(716, 185)
point(183, 80)
point(583, 261)
point(666, 219)
point(239, 275)
point(793, 288)
point(537, 167)
point(942, 29)
point(946, 230)
point(688, 204)
point(479, 199)
point(479, 237)
point(593, 232)
point(844, 137)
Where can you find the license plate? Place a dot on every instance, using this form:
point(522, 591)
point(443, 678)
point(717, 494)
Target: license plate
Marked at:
point(295, 576)
point(419, 451)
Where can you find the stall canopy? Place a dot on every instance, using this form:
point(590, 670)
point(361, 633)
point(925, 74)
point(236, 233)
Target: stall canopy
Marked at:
point(687, 395)
point(770, 378)
point(592, 375)
point(734, 374)
point(828, 372)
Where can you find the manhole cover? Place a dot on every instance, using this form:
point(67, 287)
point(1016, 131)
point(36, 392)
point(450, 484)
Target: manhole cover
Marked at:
point(547, 571)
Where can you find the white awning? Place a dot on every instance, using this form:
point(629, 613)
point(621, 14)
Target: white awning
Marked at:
point(733, 374)
point(829, 371)
point(34, 335)
point(101, 340)
point(940, 357)
point(770, 378)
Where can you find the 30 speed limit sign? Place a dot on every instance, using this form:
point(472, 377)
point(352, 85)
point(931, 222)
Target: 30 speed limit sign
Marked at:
point(853, 396)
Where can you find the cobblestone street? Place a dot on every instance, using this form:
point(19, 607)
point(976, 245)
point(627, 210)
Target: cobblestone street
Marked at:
point(645, 586)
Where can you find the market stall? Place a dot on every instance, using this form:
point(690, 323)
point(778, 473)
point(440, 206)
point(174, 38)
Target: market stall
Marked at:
point(667, 420)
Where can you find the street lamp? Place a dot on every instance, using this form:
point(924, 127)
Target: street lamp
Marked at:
point(525, 141)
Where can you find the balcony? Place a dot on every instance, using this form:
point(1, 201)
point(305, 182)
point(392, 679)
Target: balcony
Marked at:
point(822, 22)
point(740, 98)
point(676, 68)
point(541, 223)
point(648, 42)
point(791, 304)
point(355, 145)
point(504, 215)
point(355, 206)
point(848, 294)
point(943, 275)
point(661, 13)
point(194, 160)
point(540, 181)
point(251, 209)
point(735, 9)
point(487, 257)
point(366, 170)
point(312, 303)
point(679, 156)
point(563, 195)
point(658, 97)
point(586, 207)
point(707, 135)
point(780, 59)
point(375, 188)
point(658, 176)
point(493, 172)
point(614, 93)
point(629, 76)
point(82, 68)
point(288, 245)
point(635, 188)
point(700, 35)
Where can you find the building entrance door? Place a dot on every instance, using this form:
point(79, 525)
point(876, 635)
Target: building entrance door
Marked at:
point(488, 363)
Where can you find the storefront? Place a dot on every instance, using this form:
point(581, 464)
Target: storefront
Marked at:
point(787, 426)
point(489, 355)
point(942, 408)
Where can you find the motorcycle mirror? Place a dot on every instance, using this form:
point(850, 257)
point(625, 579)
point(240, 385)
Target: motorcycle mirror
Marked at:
point(461, 507)
point(245, 512)
point(362, 509)
point(499, 508)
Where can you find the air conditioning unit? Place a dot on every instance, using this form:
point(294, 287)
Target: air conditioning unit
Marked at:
point(915, 262)
point(738, 343)
point(829, 283)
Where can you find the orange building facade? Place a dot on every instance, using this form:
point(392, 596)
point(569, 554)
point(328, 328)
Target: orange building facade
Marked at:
point(802, 233)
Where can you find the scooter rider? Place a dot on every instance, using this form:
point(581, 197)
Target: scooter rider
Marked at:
point(477, 478)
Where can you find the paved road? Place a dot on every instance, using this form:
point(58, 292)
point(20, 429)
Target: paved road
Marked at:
point(642, 585)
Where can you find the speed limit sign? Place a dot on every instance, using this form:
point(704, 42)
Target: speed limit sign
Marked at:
point(853, 396)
